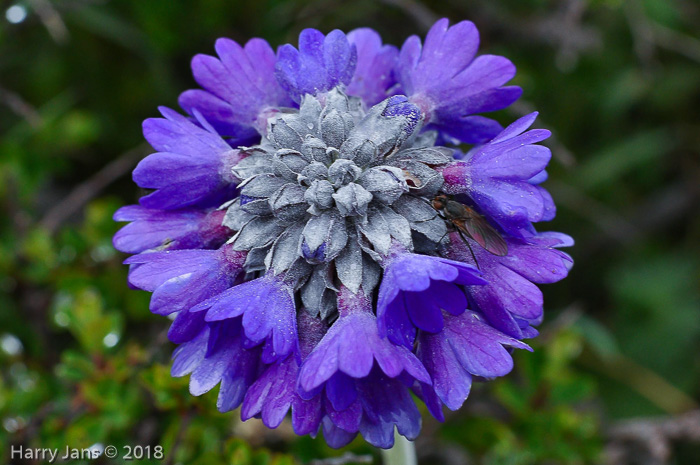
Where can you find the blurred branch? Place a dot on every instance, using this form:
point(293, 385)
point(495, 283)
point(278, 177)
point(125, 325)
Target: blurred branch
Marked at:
point(627, 371)
point(612, 223)
point(180, 435)
point(51, 19)
point(421, 14)
point(648, 441)
point(20, 106)
point(642, 33)
point(659, 210)
point(87, 190)
point(677, 42)
point(646, 382)
point(648, 34)
point(345, 459)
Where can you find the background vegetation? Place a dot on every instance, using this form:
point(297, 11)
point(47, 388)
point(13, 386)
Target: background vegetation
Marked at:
point(615, 377)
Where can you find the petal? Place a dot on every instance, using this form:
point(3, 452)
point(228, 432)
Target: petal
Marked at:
point(374, 74)
point(451, 382)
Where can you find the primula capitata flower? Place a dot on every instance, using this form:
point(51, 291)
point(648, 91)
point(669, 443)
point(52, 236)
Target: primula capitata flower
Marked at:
point(318, 245)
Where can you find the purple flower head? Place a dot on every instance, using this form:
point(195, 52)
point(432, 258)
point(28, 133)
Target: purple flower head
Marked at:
point(192, 166)
point(179, 279)
point(450, 84)
point(169, 229)
point(467, 347)
point(320, 64)
point(275, 393)
point(511, 301)
point(238, 87)
point(365, 384)
point(501, 177)
point(322, 253)
point(414, 291)
point(374, 74)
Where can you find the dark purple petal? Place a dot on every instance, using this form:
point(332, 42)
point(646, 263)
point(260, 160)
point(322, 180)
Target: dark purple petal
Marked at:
point(336, 437)
point(451, 382)
point(467, 347)
point(221, 115)
point(227, 363)
point(186, 327)
point(340, 391)
point(271, 396)
point(306, 415)
point(339, 351)
point(178, 134)
point(497, 177)
point(510, 291)
point(386, 403)
point(348, 419)
point(192, 165)
point(210, 370)
point(188, 356)
point(237, 379)
point(538, 264)
point(472, 129)
point(426, 393)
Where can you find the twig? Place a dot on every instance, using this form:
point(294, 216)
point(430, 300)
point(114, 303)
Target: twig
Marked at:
point(642, 32)
point(680, 43)
point(649, 440)
point(344, 459)
point(51, 19)
point(20, 106)
point(421, 14)
point(184, 423)
point(612, 223)
point(648, 34)
point(90, 188)
point(646, 382)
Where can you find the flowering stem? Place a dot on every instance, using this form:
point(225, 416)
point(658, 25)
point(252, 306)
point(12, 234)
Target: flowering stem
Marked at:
point(403, 452)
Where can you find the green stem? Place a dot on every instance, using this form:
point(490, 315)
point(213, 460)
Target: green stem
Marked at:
point(403, 452)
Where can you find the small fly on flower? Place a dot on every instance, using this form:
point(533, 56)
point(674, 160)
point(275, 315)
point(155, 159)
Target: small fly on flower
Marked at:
point(468, 222)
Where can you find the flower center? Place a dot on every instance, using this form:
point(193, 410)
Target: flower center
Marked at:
point(331, 189)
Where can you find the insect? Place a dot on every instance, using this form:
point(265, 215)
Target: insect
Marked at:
point(470, 223)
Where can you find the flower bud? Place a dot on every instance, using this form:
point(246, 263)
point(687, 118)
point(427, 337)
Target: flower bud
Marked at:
point(352, 200)
point(320, 195)
point(385, 183)
point(342, 172)
point(382, 131)
point(327, 230)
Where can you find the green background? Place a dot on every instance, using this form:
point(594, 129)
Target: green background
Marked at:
point(83, 362)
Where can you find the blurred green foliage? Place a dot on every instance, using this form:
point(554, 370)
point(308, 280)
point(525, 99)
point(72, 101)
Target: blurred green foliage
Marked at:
point(82, 361)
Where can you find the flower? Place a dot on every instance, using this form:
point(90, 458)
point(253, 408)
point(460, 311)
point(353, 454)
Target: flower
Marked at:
point(316, 239)
point(451, 85)
point(416, 289)
point(502, 178)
